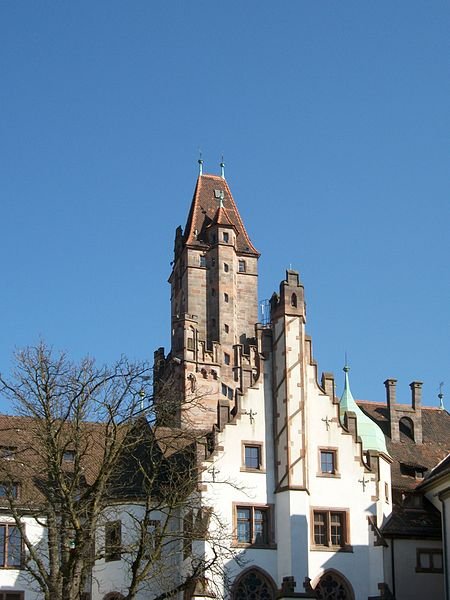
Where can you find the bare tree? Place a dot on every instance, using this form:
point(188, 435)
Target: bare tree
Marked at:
point(89, 478)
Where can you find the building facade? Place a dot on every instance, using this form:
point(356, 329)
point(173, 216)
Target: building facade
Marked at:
point(313, 496)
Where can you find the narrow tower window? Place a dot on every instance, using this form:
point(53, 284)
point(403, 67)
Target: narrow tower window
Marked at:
point(227, 328)
point(241, 266)
point(202, 260)
point(226, 268)
point(225, 297)
point(226, 358)
point(294, 300)
point(226, 237)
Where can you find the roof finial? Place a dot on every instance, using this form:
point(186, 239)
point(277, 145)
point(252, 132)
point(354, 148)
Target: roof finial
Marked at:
point(222, 169)
point(200, 164)
point(441, 396)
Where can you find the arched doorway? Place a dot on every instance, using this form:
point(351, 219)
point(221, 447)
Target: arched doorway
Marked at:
point(253, 584)
point(333, 586)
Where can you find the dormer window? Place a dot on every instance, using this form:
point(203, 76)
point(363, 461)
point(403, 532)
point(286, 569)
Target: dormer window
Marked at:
point(8, 452)
point(69, 456)
point(406, 427)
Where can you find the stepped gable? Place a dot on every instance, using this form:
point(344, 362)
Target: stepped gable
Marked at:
point(425, 456)
point(206, 209)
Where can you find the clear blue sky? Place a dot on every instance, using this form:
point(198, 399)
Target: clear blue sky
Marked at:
point(333, 118)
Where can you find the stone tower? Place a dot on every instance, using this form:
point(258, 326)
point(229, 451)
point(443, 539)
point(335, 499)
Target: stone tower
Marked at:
point(214, 308)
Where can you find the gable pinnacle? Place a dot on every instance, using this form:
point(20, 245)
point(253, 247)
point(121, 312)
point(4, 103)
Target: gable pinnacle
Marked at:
point(200, 165)
point(222, 169)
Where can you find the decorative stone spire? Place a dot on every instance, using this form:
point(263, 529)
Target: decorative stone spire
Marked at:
point(371, 435)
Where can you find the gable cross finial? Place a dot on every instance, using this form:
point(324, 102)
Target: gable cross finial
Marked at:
point(441, 396)
point(364, 483)
point(251, 415)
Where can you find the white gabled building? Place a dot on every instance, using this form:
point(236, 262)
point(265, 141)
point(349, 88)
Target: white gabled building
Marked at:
point(306, 495)
point(301, 480)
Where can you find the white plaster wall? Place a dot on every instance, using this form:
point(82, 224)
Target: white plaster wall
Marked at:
point(410, 585)
point(363, 567)
point(234, 486)
point(113, 576)
point(18, 579)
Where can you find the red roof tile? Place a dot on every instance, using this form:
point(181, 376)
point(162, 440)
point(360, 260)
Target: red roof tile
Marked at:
point(205, 208)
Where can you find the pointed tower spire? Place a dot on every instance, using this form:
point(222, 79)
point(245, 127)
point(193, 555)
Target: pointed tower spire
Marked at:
point(222, 169)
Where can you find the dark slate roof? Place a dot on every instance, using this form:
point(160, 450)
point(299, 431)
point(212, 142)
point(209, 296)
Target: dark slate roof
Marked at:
point(204, 211)
point(425, 456)
point(440, 471)
point(422, 522)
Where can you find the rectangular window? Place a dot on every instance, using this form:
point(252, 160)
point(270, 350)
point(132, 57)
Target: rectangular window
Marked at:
point(227, 328)
point(202, 260)
point(8, 490)
point(10, 547)
point(113, 540)
point(225, 297)
point(329, 528)
point(252, 525)
point(152, 540)
point(252, 456)
point(328, 462)
point(226, 267)
point(226, 358)
point(188, 528)
point(12, 595)
point(241, 266)
point(429, 560)
point(227, 391)
point(226, 237)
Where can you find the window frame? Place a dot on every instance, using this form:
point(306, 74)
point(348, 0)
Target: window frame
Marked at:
point(328, 450)
point(5, 565)
point(14, 485)
point(113, 553)
point(430, 552)
point(268, 524)
point(242, 267)
point(252, 444)
point(328, 546)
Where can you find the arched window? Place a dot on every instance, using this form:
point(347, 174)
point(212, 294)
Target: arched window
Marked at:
point(406, 427)
point(333, 586)
point(253, 585)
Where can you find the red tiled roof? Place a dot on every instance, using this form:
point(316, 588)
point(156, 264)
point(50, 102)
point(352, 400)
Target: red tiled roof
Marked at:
point(205, 208)
point(435, 446)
